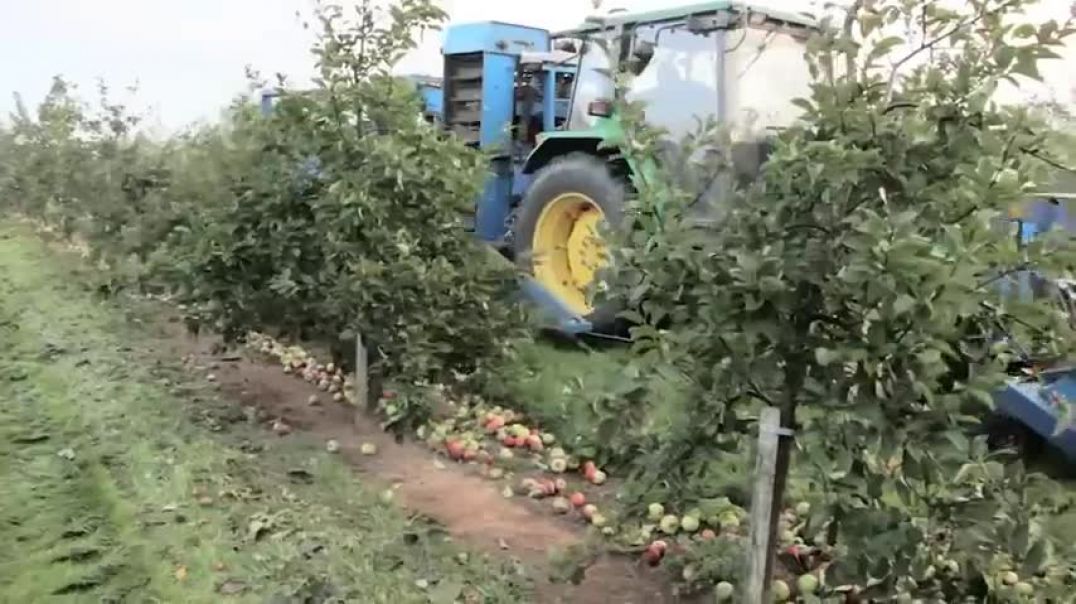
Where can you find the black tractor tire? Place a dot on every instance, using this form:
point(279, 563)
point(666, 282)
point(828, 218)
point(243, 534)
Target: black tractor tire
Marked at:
point(574, 173)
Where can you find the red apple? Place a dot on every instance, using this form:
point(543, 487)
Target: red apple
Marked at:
point(655, 552)
point(578, 499)
point(589, 469)
point(455, 449)
point(494, 423)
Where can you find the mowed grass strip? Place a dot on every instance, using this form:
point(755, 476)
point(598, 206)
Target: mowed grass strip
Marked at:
point(115, 487)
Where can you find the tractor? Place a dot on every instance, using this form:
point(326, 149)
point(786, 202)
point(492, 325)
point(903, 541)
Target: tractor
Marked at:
point(541, 104)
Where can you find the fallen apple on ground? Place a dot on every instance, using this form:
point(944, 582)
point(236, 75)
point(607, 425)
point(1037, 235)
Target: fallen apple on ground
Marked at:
point(387, 496)
point(655, 511)
point(455, 449)
point(780, 591)
point(655, 552)
point(589, 510)
point(689, 524)
point(669, 524)
point(534, 442)
point(807, 584)
point(589, 469)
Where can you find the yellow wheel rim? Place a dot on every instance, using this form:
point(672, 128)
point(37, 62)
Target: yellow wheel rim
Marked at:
point(568, 249)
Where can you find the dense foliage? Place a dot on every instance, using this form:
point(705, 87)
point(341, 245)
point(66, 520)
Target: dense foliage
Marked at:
point(339, 213)
point(855, 286)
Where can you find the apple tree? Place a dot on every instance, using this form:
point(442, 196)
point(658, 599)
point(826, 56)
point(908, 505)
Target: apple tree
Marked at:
point(856, 285)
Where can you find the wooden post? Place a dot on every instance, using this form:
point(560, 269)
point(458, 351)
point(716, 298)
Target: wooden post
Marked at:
point(760, 549)
point(362, 386)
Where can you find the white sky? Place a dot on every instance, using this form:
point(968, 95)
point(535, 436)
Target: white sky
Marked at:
point(188, 56)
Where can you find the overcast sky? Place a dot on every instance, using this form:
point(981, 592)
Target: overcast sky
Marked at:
point(188, 56)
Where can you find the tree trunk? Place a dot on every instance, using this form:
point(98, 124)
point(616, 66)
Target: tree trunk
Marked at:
point(794, 376)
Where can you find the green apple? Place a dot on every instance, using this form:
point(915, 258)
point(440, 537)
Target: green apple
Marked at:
point(807, 584)
point(655, 511)
point(780, 591)
point(689, 524)
point(669, 524)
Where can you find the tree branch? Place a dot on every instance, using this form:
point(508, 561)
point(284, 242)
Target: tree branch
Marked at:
point(1048, 161)
point(1012, 271)
point(850, 19)
point(891, 85)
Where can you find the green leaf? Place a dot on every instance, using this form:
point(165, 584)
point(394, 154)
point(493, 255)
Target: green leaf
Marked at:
point(1036, 558)
point(445, 592)
point(825, 356)
point(1027, 66)
point(903, 304)
point(883, 47)
point(1025, 30)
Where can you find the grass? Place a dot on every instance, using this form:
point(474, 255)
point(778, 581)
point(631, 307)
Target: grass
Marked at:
point(564, 387)
point(557, 382)
point(122, 480)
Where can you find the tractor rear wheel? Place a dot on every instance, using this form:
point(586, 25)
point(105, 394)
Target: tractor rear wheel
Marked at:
point(558, 231)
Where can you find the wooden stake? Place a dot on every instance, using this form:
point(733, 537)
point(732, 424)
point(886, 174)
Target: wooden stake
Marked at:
point(362, 386)
point(760, 549)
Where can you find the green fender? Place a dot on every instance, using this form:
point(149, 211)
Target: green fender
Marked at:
point(606, 137)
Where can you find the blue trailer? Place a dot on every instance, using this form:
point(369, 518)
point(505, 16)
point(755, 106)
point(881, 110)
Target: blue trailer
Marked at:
point(1036, 406)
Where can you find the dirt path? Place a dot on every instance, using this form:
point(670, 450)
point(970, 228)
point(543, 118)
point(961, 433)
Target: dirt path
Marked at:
point(470, 508)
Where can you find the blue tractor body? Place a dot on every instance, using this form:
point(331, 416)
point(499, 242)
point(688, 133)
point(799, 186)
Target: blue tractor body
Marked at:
point(503, 85)
point(429, 88)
